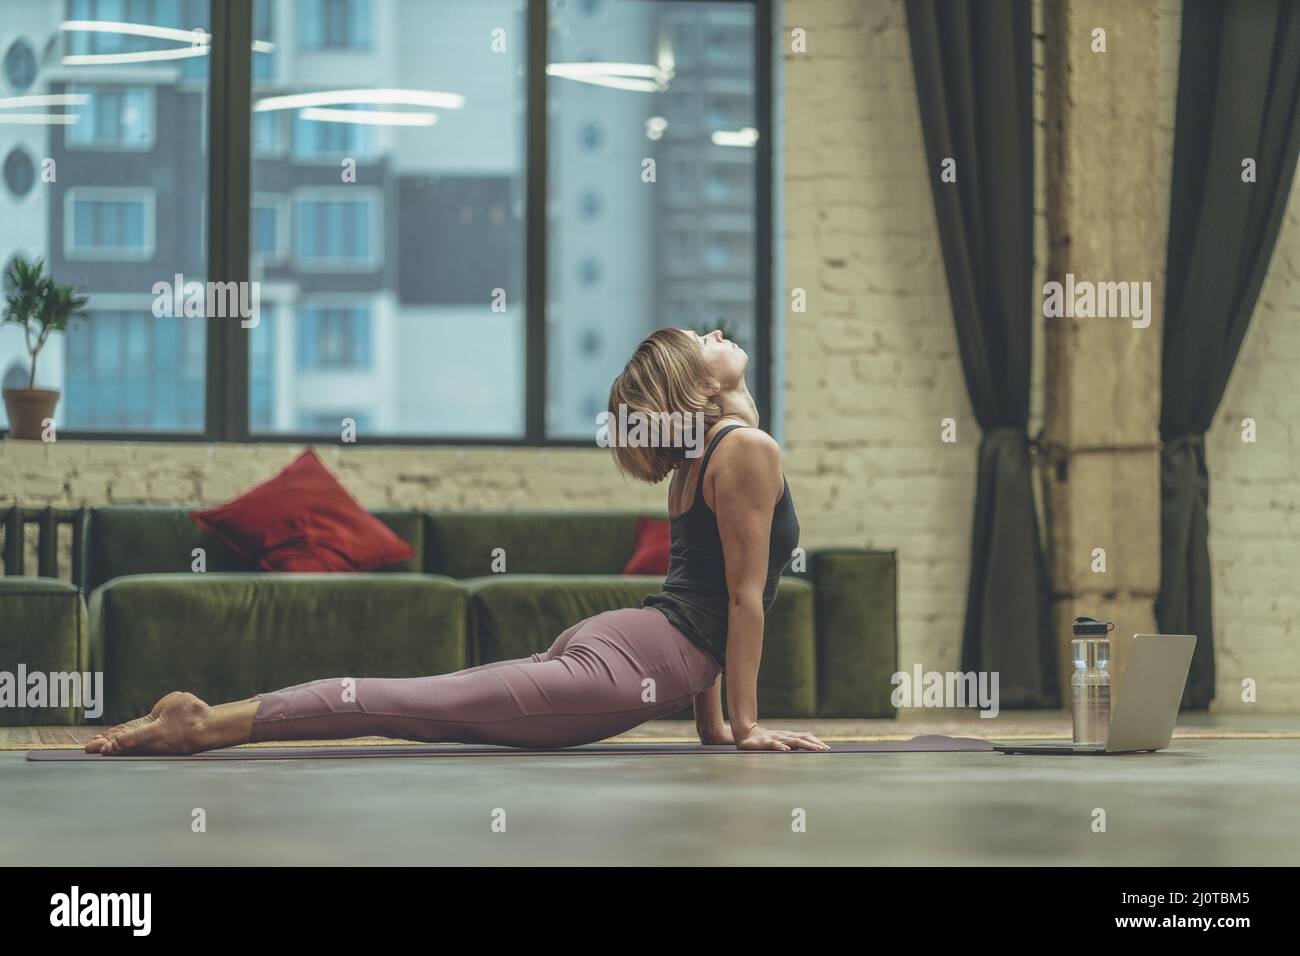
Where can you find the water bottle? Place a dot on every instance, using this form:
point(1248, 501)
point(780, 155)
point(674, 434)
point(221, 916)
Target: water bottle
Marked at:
point(1090, 684)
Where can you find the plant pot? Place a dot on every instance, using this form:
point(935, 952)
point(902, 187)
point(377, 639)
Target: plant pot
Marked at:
point(28, 408)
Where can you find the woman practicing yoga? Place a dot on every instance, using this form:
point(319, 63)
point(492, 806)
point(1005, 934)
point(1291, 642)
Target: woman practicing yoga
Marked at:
point(733, 530)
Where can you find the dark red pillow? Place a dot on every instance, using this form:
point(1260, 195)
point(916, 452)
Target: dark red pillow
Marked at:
point(653, 542)
point(304, 520)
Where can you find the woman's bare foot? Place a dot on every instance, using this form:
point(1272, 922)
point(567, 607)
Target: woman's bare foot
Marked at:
point(172, 727)
point(180, 724)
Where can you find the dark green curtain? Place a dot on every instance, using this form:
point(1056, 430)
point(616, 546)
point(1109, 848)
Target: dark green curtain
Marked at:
point(974, 83)
point(1238, 98)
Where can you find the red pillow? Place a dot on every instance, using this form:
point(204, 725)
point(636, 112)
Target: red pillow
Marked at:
point(304, 520)
point(653, 542)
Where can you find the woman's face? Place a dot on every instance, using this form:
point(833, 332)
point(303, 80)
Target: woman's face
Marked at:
point(724, 359)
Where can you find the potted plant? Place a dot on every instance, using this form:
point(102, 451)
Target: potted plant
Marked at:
point(41, 306)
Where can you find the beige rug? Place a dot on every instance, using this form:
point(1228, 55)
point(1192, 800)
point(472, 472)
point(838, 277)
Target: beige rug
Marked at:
point(74, 738)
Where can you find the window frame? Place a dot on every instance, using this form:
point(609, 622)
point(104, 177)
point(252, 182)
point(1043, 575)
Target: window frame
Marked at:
point(229, 100)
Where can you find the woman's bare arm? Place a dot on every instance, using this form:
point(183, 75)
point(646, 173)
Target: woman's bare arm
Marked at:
point(746, 485)
point(709, 723)
point(745, 471)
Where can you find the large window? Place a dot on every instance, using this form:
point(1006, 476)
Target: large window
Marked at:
point(106, 177)
point(652, 173)
point(443, 235)
point(406, 178)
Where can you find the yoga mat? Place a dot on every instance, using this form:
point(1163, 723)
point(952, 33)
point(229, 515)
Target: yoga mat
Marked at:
point(927, 743)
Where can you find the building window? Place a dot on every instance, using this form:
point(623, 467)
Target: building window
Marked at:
point(337, 229)
point(19, 173)
point(270, 237)
point(316, 423)
point(129, 370)
point(109, 223)
point(330, 338)
point(113, 118)
point(263, 41)
point(20, 65)
point(331, 140)
point(591, 136)
point(589, 271)
point(333, 24)
point(268, 134)
point(181, 15)
point(589, 206)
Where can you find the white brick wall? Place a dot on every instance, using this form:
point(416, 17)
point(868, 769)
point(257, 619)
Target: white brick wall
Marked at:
point(872, 366)
point(1255, 496)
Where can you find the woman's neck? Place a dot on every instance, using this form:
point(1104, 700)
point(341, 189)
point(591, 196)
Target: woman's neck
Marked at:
point(737, 403)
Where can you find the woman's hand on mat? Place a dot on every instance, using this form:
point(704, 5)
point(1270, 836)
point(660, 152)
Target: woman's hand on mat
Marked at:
point(717, 735)
point(760, 738)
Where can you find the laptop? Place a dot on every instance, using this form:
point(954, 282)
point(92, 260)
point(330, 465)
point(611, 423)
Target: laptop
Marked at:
point(1144, 713)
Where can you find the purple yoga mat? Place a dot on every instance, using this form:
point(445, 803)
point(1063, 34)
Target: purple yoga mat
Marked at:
point(927, 743)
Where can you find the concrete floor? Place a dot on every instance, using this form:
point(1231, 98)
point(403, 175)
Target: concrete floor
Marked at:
point(1205, 801)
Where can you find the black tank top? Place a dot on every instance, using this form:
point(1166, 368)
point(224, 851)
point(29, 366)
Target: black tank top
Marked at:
point(694, 598)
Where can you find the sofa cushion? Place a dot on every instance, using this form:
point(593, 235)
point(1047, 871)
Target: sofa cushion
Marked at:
point(131, 539)
point(303, 519)
point(465, 544)
point(654, 546)
point(227, 636)
point(43, 630)
point(857, 631)
point(516, 615)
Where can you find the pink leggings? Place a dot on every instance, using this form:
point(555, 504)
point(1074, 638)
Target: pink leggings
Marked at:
point(601, 677)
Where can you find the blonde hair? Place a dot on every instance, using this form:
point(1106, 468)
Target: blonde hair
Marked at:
point(666, 376)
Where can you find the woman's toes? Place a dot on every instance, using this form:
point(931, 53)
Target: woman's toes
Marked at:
point(97, 743)
point(172, 727)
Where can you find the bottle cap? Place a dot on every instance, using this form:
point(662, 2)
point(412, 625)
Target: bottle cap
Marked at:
point(1091, 627)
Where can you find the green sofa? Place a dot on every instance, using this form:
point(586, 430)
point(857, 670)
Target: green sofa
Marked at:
point(483, 586)
point(43, 629)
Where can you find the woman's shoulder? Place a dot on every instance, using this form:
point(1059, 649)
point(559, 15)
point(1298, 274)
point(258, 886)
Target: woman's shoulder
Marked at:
point(748, 468)
point(742, 433)
point(748, 448)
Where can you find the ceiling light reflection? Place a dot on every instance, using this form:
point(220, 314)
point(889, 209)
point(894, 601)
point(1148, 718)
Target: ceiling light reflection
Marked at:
point(449, 101)
point(370, 117)
point(745, 136)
